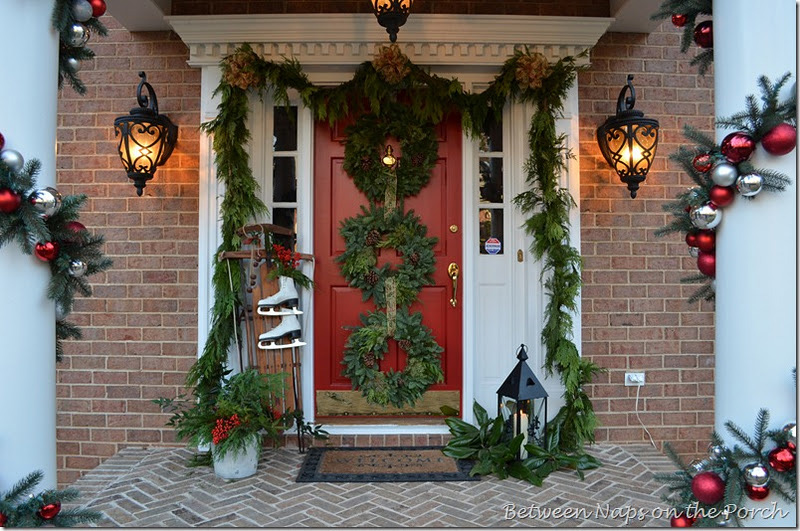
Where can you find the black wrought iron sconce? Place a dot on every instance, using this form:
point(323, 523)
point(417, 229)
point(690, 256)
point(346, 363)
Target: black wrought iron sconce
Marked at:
point(146, 138)
point(523, 400)
point(628, 140)
point(392, 14)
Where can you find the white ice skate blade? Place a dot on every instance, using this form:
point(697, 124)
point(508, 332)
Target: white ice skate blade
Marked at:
point(272, 345)
point(277, 312)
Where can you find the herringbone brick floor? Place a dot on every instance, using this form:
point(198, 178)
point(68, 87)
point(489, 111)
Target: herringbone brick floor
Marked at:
point(153, 487)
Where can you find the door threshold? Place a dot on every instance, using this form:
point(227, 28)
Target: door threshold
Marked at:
point(384, 427)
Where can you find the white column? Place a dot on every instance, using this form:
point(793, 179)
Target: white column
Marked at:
point(756, 319)
point(28, 106)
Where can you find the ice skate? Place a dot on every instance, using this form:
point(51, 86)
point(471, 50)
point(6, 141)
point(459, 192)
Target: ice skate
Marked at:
point(289, 327)
point(284, 302)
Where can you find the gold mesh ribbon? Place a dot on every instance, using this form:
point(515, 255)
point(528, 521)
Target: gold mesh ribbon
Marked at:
point(390, 205)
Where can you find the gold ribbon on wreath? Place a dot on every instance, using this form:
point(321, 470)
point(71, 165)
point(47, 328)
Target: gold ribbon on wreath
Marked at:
point(390, 205)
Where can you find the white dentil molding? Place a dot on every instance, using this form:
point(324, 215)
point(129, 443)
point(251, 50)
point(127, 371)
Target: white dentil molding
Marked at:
point(349, 39)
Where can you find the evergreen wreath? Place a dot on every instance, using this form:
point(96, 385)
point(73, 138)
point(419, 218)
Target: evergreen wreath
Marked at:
point(363, 147)
point(429, 97)
point(368, 344)
point(372, 230)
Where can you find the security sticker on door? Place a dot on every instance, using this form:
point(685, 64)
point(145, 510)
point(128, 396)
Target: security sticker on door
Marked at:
point(493, 246)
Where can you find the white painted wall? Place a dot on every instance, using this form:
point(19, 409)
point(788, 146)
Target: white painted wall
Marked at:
point(756, 320)
point(28, 101)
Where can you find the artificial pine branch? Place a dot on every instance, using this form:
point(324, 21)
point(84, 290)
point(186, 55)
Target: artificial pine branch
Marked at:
point(692, 9)
point(757, 120)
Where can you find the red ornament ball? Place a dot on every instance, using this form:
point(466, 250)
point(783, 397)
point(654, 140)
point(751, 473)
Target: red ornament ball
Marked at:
point(9, 201)
point(98, 8)
point(76, 228)
point(3, 520)
point(47, 251)
point(708, 487)
point(2, 145)
point(50, 511)
point(704, 34)
point(781, 459)
point(679, 20)
point(706, 241)
point(681, 520)
point(737, 147)
point(780, 140)
point(703, 162)
point(691, 239)
point(756, 493)
point(722, 196)
point(707, 264)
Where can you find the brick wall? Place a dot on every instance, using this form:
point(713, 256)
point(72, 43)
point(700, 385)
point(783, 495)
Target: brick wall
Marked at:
point(586, 8)
point(140, 325)
point(635, 311)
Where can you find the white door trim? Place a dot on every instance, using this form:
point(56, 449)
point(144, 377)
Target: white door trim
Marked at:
point(470, 47)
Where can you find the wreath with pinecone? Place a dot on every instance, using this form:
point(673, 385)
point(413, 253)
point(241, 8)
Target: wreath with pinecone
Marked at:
point(369, 343)
point(374, 230)
point(363, 149)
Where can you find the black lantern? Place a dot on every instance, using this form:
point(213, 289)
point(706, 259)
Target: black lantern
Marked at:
point(628, 140)
point(391, 14)
point(146, 138)
point(523, 400)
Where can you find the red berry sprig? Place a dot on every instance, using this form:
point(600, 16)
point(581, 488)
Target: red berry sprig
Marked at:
point(286, 257)
point(223, 428)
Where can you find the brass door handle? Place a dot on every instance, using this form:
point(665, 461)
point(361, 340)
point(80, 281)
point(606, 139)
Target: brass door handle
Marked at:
point(452, 271)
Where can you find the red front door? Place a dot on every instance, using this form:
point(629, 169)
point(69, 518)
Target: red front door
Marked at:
point(337, 305)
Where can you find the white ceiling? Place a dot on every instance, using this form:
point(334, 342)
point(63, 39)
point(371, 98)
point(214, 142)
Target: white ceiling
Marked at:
point(631, 16)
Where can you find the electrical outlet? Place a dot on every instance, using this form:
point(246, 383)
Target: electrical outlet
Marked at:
point(634, 379)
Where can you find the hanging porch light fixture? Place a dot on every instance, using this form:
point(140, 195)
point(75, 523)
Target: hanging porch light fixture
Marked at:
point(146, 138)
point(628, 140)
point(391, 14)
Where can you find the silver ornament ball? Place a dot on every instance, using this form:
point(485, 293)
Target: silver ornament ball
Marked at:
point(790, 429)
point(78, 268)
point(756, 475)
point(714, 285)
point(694, 252)
point(705, 216)
point(46, 201)
point(81, 10)
point(76, 35)
point(61, 314)
point(697, 466)
point(724, 174)
point(72, 65)
point(716, 452)
point(12, 159)
point(749, 185)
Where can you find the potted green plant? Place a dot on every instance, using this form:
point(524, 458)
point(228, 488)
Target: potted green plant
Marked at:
point(233, 423)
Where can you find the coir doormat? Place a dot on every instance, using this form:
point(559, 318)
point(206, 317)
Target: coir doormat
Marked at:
point(406, 463)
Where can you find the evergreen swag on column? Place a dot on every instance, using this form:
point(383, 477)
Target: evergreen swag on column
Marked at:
point(525, 77)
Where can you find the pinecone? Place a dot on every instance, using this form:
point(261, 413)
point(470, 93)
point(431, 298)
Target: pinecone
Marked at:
point(400, 382)
point(373, 238)
point(371, 278)
point(414, 259)
point(369, 360)
point(417, 159)
point(366, 163)
point(404, 344)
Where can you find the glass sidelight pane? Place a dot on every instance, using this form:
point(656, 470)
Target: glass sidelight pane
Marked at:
point(492, 134)
point(491, 179)
point(285, 129)
point(285, 217)
point(490, 222)
point(284, 180)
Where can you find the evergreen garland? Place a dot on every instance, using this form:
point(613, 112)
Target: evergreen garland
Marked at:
point(429, 98)
point(690, 9)
point(729, 464)
point(756, 122)
point(27, 227)
point(62, 20)
point(19, 507)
